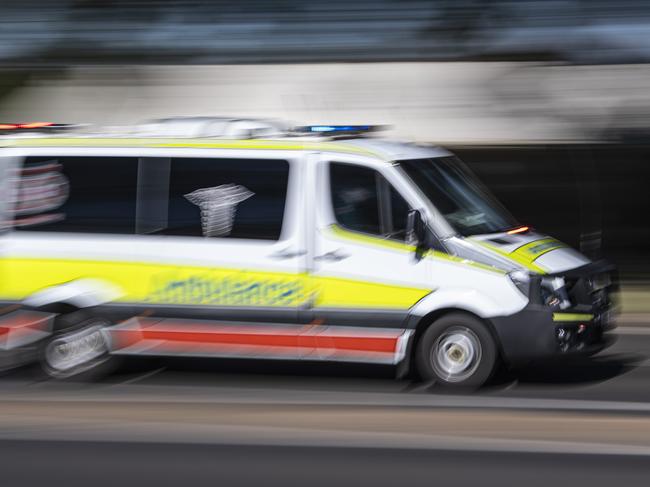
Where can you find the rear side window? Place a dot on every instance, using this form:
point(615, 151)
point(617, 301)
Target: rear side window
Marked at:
point(76, 194)
point(235, 198)
point(194, 197)
point(364, 201)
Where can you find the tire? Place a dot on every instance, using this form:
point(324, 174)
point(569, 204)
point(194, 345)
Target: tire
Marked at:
point(456, 351)
point(56, 360)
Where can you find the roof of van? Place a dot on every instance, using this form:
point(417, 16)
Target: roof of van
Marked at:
point(372, 147)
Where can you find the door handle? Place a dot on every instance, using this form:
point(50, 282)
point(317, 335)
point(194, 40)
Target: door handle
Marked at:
point(287, 254)
point(333, 256)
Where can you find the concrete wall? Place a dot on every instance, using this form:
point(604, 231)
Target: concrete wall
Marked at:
point(464, 102)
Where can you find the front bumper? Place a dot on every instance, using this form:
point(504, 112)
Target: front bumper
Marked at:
point(539, 332)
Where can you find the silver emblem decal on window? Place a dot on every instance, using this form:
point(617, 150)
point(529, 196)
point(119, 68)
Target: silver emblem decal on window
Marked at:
point(218, 205)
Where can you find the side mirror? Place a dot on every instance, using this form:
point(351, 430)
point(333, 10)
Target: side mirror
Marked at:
point(416, 232)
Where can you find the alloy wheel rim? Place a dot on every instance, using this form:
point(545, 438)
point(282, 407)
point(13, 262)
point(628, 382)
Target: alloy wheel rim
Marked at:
point(75, 349)
point(456, 354)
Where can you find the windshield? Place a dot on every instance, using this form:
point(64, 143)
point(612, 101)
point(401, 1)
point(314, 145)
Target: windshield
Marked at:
point(458, 195)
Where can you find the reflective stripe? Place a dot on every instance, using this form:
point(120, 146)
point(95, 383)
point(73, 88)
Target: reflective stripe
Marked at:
point(572, 317)
point(190, 285)
point(528, 253)
point(340, 232)
point(332, 292)
point(536, 249)
point(368, 239)
point(152, 336)
point(254, 144)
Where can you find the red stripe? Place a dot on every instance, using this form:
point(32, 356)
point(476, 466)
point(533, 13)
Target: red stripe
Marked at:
point(370, 344)
point(367, 344)
point(255, 336)
point(219, 337)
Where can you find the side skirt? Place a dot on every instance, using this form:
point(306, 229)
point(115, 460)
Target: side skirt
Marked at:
point(208, 338)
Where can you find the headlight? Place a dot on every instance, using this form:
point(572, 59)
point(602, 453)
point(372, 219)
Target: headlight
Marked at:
point(521, 279)
point(554, 293)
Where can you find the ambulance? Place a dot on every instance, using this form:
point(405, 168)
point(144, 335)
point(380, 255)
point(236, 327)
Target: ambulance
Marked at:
point(245, 239)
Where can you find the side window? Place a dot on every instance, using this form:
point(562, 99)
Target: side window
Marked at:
point(399, 210)
point(76, 194)
point(355, 197)
point(235, 198)
point(364, 201)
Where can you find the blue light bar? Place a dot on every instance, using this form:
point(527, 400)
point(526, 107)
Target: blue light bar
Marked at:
point(340, 129)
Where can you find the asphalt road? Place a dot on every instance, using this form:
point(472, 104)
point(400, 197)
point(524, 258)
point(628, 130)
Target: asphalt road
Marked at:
point(583, 422)
point(110, 464)
point(620, 373)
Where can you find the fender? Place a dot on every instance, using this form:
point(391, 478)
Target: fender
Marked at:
point(81, 293)
point(460, 298)
point(468, 299)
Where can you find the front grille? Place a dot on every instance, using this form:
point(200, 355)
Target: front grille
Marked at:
point(584, 293)
point(577, 337)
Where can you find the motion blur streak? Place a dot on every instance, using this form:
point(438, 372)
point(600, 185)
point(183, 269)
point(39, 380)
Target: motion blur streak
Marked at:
point(112, 115)
point(478, 102)
point(18, 328)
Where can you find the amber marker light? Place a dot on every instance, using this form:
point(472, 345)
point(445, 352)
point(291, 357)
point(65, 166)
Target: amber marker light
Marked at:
point(518, 230)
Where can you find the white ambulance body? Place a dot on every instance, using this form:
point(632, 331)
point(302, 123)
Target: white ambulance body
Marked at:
point(333, 246)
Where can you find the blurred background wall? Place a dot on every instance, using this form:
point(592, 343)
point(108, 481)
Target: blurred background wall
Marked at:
point(427, 101)
point(546, 99)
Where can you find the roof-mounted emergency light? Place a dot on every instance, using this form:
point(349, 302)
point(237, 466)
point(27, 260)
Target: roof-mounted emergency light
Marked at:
point(338, 129)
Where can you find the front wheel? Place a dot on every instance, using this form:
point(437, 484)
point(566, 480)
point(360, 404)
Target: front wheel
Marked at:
point(456, 350)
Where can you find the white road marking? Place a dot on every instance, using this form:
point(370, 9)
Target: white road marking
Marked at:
point(140, 377)
point(137, 393)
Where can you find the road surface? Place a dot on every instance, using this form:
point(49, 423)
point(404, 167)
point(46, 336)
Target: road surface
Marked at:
point(261, 423)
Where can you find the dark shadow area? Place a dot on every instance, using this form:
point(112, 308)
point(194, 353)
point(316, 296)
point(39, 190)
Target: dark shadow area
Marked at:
point(243, 373)
point(571, 371)
point(275, 368)
point(593, 197)
point(341, 376)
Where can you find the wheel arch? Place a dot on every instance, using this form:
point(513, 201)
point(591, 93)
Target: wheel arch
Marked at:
point(73, 295)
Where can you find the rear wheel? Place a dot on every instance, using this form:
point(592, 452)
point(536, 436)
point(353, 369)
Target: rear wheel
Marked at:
point(77, 348)
point(456, 350)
